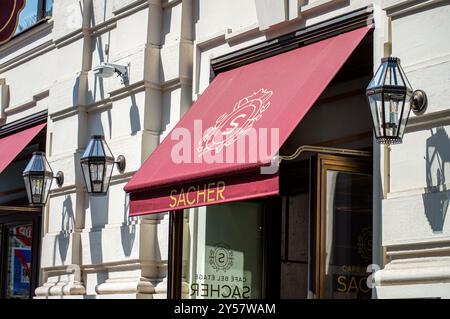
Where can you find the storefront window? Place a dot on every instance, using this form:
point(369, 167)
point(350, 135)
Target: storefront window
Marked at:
point(33, 12)
point(19, 261)
point(223, 251)
point(348, 243)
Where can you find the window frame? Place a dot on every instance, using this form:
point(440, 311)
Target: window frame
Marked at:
point(325, 163)
point(41, 16)
point(270, 248)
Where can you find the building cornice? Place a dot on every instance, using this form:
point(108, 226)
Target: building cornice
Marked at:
point(396, 8)
point(24, 123)
point(322, 30)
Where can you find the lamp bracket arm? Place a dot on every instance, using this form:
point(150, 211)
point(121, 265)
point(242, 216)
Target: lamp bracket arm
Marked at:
point(121, 163)
point(59, 177)
point(419, 102)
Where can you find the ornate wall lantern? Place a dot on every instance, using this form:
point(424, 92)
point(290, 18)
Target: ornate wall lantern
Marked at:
point(97, 165)
point(391, 99)
point(38, 177)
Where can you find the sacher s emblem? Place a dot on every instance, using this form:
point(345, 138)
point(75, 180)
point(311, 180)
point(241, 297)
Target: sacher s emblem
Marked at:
point(221, 257)
point(229, 126)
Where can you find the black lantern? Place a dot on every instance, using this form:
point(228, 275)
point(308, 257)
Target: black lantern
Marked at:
point(391, 99)
point(38, 178)
point(97, 165)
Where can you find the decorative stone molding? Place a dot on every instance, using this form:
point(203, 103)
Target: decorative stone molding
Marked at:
point(60, 289)
point(70, 284)
point(414, 271)
point(185, 289)
point(125, 285)
point(317, 5)
point(402, 7)
point(161, 290)
point(27, 104)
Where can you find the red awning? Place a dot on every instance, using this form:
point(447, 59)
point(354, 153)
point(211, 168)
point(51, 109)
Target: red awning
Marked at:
point(202, 161)
point(12, 145)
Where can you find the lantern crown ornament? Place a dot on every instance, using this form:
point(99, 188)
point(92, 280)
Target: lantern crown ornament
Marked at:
point(97, 164)
point(391, 99)
point(38, 177)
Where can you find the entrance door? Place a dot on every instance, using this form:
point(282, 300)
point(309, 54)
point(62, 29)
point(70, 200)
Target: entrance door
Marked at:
point(343, 227)
point(18, 253)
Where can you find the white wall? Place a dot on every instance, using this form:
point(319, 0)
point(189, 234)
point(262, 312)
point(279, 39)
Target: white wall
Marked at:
point(416, 228)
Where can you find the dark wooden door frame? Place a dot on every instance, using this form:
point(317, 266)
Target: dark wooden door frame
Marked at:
point(175, 254)
point(323, 164)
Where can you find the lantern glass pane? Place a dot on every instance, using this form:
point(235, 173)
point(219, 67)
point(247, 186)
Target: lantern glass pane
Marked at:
point(393, 104)
point(108, 173)
point(377, 79)
point(392, 76)
point(38, 164)
point(97, 173)
point(107, 151)
point(398, 80)
point(47, 185)
point(87, 179)
point(37, 189)
point(26, 180)
point(388, 77)
point(377, 113)
point(97, 147)
point(405, 116)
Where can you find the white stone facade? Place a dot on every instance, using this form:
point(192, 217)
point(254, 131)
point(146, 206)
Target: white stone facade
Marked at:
point(90, 248)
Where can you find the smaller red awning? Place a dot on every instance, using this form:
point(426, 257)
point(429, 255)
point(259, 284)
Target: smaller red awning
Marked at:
point(201, 163)
point(12, 145)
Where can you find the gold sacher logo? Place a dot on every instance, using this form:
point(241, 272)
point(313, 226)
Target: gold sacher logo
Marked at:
point(221, 257)
point(197, 194)
point(229, 126)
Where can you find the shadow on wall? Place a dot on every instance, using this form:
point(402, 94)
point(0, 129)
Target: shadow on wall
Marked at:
point(67, 225)
point(436, 197)
point(99, 218)
point(76, 92)
point(128, 230)
point(135, 120)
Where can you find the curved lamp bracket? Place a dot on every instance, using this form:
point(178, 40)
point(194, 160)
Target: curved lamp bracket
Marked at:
point(121, 163)
point(59, 177)
point(419, 102)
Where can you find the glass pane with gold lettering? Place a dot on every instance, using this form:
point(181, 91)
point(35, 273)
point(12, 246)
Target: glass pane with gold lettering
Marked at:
point(348, 236)
point(223, 251)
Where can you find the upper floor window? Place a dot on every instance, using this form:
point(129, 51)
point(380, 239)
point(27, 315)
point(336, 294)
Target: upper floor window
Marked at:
point(33, 12)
